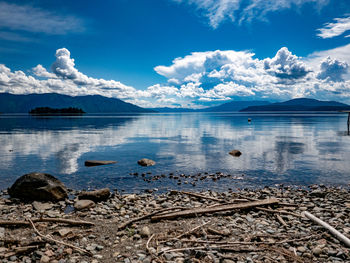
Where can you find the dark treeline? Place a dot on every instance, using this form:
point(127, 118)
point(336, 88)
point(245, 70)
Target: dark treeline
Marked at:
point(48, 110)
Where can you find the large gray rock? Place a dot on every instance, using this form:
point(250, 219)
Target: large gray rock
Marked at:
point(146, 162)
point(38, 187)
point(96, 196)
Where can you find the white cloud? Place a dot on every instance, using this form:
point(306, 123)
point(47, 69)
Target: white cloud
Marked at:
point(224, 75)
point(335, 29)
point(40, 71)
point(32, 19)
point(201, 77)
point(286, 65)
point(333, 69)
point(240, 11)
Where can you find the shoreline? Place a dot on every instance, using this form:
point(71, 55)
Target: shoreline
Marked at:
point(270, 233)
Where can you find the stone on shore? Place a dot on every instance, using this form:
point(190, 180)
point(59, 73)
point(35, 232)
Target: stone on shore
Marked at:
point(235, 153)
point(96, 195)
point(145, 231)
point(41, 206)
point(38, 187)
point(96, 163)
point(146, 162)
point(84, 204)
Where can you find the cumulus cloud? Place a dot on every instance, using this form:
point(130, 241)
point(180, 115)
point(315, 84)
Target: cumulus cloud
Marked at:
point(240, 11)
point(224, 75)
point(32, 19)
point(333, 69)
point(200, 78)
point(40, 71)
point(337, 28)
point(286, 65)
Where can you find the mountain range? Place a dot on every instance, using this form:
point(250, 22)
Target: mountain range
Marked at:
point(10, 103)
point(301, 104)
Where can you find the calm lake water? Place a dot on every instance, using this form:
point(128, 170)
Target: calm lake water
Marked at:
point(293, 149)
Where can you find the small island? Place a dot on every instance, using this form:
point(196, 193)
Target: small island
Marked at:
point(53, 111)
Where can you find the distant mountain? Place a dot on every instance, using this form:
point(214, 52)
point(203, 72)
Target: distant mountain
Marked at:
point(167, 109)
point(229, 106)
point(235, 106)
point(10, 103)
point(302, 104)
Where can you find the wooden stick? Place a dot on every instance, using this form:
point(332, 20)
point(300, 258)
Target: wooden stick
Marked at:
point(147, 244)
point(277, 211)
point(192, 230)
point(18, 250)
point(50, 239)
point(206, 210)
point(53, 220)
point(280, 219)
point(217, 232)
point(124, 225)
point(201, 196)
point(331, 229)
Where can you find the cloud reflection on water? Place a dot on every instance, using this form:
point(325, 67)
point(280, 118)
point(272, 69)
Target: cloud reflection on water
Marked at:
point(184, 141)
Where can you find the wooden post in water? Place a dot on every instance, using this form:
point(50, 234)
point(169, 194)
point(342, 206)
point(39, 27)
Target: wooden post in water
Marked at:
point(348, 112)
point(349, 123)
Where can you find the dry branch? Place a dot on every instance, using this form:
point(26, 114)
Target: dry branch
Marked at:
point(331, 229)
point(278, 211)
point(191, 230)
point(53, 220)
point(50, 239)
point(124, 225)
point(217, 232)
point(280, 219)
point(206, 210)
point(200, 196)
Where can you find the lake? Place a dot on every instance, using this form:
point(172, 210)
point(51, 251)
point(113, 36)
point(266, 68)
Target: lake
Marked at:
point(291, 149)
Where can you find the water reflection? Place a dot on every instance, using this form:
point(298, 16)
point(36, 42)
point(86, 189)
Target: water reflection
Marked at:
point(303, 148)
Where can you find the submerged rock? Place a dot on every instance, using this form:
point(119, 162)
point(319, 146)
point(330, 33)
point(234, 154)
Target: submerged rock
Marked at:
point(38, 187)
point(146, 162)
point(96, 196)
point(96, 163)
point(235, 153)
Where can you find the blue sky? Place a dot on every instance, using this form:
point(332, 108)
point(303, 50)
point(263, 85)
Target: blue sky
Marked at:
point(189, 53)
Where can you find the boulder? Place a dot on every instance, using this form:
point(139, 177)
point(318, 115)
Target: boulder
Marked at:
point(235, 153)
point(96, 196)
point(96, 163)
point(38, 187)
point(83, 204)
point(146, 162)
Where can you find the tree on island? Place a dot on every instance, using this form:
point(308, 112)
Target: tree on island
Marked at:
point(48, 110)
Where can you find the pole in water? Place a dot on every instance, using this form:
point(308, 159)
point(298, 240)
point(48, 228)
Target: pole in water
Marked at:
point(349, 124)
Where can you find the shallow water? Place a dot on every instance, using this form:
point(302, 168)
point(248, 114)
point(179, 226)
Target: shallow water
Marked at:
point(297, 149)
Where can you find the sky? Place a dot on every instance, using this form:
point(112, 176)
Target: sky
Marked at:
point(177, 53)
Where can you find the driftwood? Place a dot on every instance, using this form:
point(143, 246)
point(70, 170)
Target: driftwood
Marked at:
point(52, 220)
point(18, 251)
point(278, 211)
point(222, 208)
point(280, 219)
point(331, 229)
point(199, 196)
point(50, 239)
point(124, 225)
point(217, 232)
point(192, 230)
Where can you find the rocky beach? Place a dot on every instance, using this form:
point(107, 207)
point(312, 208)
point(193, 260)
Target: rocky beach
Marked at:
point(243, 225)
